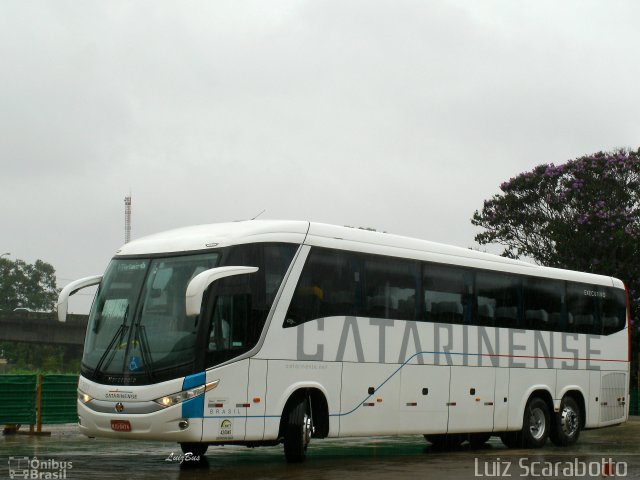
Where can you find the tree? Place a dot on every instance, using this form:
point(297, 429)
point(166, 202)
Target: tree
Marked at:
point(32, 286)
point(27, 285)
point(583, 215)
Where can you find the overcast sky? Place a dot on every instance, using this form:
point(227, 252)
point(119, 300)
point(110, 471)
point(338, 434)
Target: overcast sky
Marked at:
point(401, 115)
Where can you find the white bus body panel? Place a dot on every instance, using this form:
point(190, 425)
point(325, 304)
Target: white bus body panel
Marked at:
point(257, 398)
point(424, 394)
point(471, 399)
point(225, 407)
point(501, 405)
point(593, 404)
point(361, 413)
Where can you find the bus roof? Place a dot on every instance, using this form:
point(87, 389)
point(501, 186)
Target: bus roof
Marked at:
point(202, 237)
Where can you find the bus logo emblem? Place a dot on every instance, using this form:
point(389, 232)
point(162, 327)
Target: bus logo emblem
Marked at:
point(226, 429)
point(119, 407)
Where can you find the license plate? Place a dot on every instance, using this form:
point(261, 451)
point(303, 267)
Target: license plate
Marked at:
point(120, 425)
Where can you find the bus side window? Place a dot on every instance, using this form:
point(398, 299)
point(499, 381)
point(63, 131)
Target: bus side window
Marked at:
point(390, 288)
point(327, 287)
point(447, 291)
point(542, 304)
point(498, 299)
point(613, 310)
point(582, 308)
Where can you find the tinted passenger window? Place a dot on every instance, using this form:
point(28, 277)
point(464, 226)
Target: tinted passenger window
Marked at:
point(390, 288)
point(582, 307)
point(327, 287)
point(448, 294)
point(543, 304)
point(614, 310)
point(497, 299)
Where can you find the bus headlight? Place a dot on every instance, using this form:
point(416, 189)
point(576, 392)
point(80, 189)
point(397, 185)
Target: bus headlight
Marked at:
point(174, 399)
point(83, 397)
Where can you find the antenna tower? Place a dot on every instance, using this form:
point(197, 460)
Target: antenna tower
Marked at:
point(127, 219)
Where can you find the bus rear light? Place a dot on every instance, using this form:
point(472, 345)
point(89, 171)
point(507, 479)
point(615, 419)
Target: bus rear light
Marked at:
point(626, 290)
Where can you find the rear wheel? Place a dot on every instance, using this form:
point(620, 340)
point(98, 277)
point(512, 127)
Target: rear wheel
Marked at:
point(511, 439)
point(536, 423)
point(566, 423)
point(298, 432)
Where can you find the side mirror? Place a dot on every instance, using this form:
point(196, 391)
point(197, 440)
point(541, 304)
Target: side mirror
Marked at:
point(70, 289)
point(201, 282)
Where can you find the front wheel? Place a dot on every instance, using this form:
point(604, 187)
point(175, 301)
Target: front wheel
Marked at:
point(566, 423)
point(298, 432)
point(195, 449)
point(536, 423)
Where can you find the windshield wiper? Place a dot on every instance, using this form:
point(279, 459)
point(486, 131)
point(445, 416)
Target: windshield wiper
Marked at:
point(117, 337)
point(145, 353)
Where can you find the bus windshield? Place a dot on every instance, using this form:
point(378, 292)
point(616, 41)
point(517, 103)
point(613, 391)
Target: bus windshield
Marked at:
point(139, 332)
point(138, 323)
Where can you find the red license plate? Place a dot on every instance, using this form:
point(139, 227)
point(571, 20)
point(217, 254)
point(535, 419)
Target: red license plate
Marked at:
point(120, 425)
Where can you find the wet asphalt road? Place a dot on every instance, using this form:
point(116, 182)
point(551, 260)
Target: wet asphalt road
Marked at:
point(408, 457)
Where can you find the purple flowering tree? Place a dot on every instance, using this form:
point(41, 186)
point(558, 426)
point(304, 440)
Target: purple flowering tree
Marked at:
point(582, 215)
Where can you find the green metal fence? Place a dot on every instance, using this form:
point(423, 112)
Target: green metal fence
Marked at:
point(58, 399)
point(18, 399)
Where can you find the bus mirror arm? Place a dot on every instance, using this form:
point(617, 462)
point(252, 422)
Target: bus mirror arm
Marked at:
point(201, 282)
point(63, 299)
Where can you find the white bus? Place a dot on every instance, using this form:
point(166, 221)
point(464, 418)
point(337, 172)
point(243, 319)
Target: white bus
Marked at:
point(267, 332)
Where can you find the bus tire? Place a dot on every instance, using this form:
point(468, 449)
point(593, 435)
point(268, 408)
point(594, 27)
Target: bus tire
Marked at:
point(566, 423)
point(196, 449)
point(536, 423)
point(511, 439)
point(298, 430)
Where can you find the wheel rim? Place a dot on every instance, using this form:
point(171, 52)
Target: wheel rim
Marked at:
point(306, 430)
point(537, 423)
point(569, 421)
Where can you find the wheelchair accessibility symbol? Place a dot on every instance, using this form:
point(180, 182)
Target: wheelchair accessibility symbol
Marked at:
point(134, 364)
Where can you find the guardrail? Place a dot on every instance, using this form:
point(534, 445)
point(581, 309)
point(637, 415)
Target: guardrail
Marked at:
point(37, 400)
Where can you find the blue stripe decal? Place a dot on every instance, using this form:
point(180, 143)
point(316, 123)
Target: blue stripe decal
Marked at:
point(194, 380)
point(193, 408)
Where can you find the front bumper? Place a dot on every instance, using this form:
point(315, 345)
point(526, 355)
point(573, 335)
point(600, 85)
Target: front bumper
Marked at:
point(162, 425)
